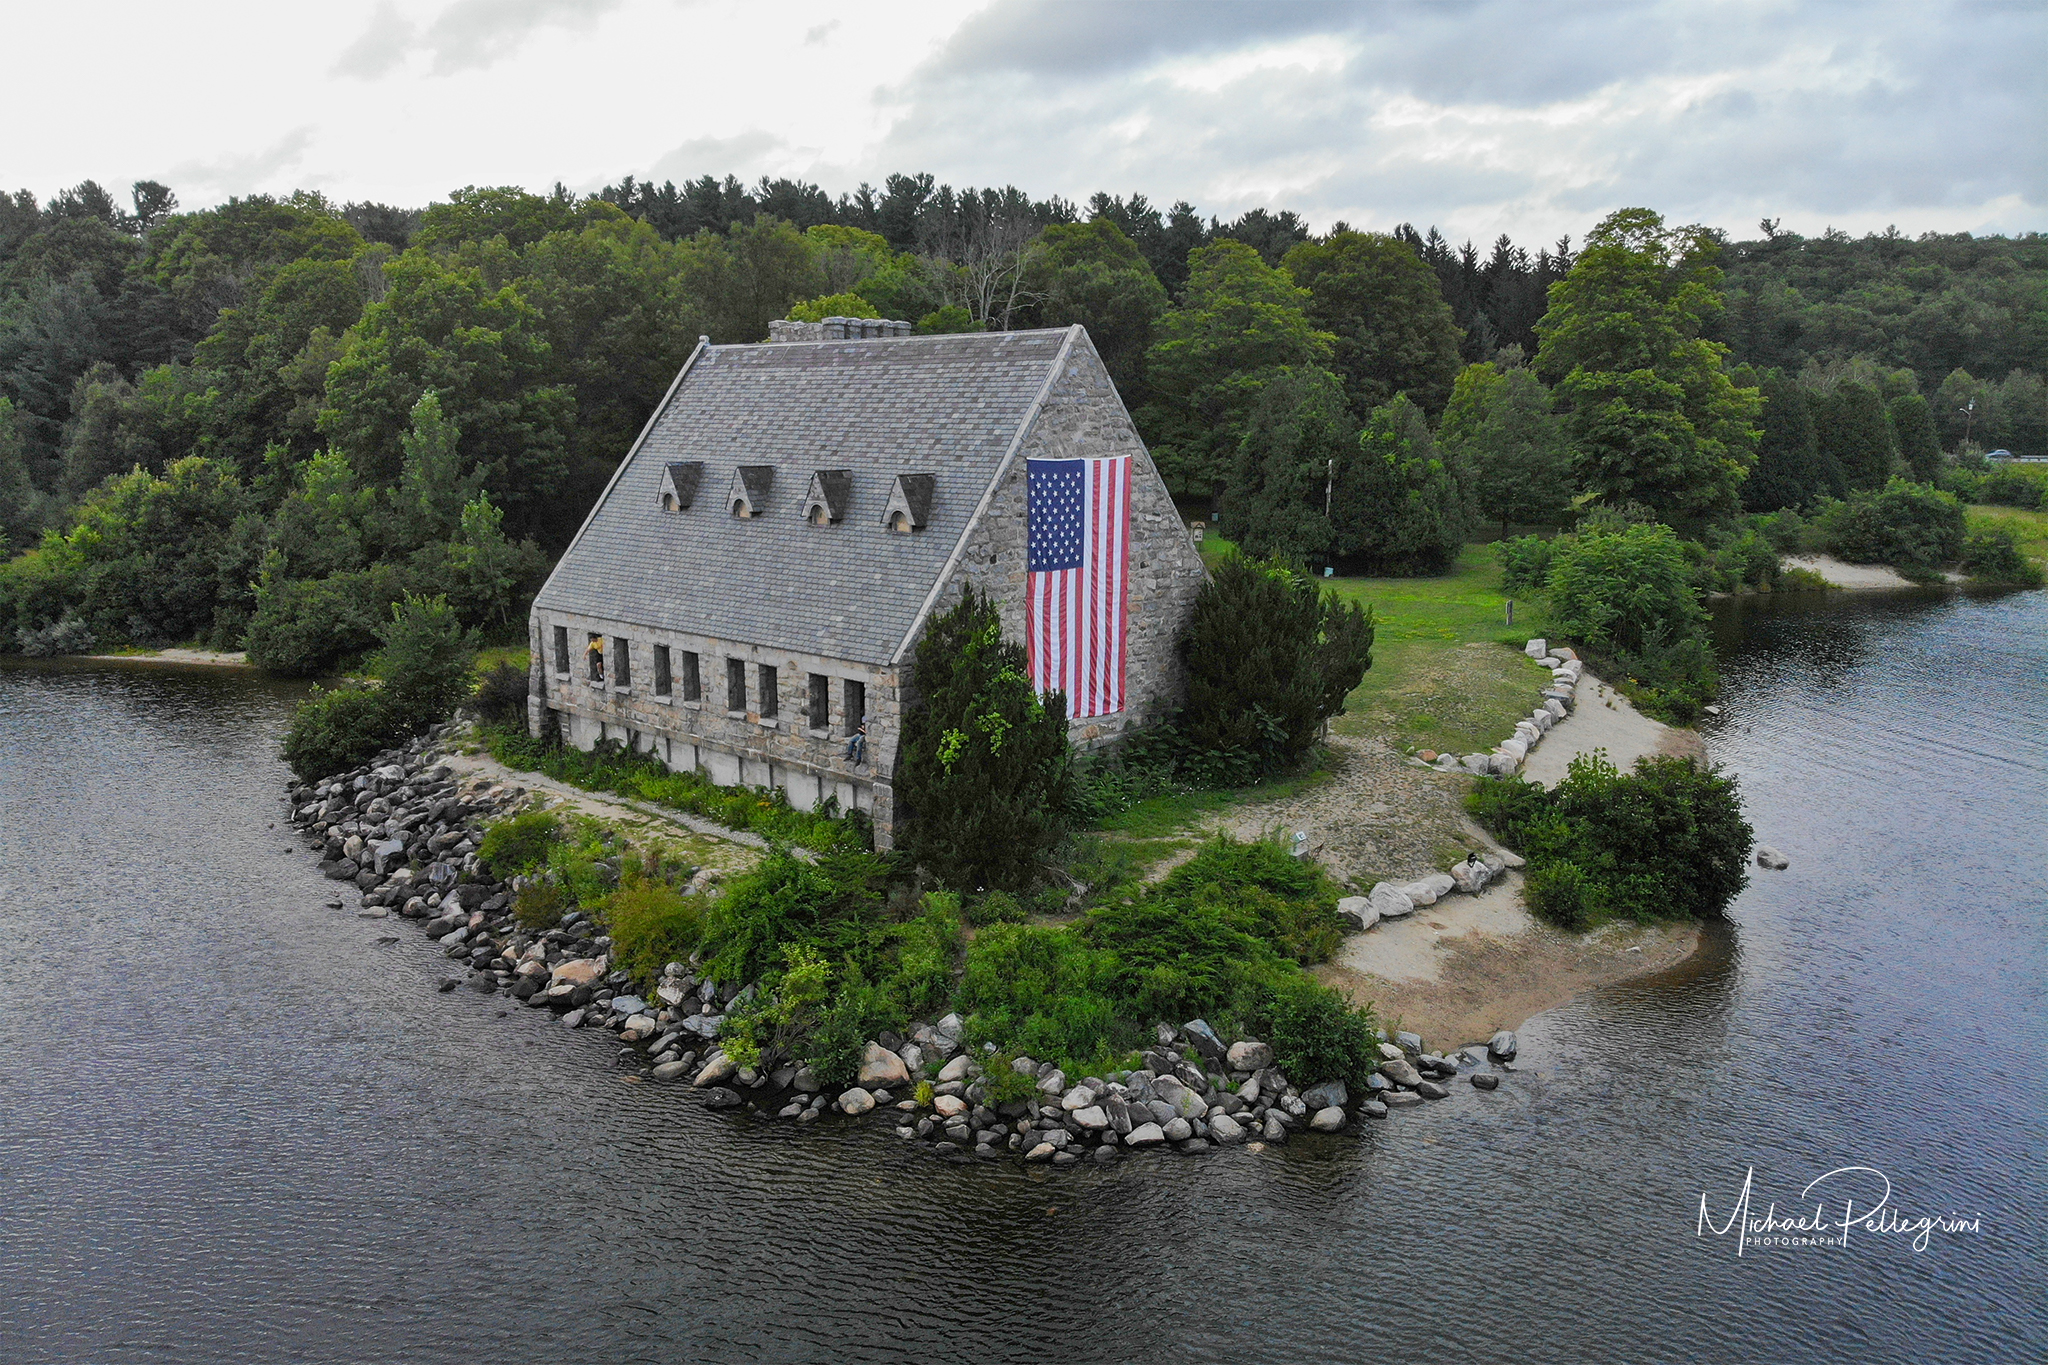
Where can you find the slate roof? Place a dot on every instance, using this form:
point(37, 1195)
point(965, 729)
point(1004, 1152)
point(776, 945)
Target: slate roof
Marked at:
point(948, 406)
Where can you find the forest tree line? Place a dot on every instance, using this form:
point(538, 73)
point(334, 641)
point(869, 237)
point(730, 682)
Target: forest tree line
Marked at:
point(263, 422)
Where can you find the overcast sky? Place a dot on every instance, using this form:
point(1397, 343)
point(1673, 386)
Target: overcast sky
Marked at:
point(1480, 116)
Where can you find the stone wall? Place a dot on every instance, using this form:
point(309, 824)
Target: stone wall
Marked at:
point(746, 747)
point(1083, 417)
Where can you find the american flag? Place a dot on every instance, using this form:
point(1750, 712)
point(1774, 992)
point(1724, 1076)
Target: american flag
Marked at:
point(1078, 579)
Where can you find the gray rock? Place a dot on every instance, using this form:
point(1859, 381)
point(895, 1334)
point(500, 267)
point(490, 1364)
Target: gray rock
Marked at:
point(1389, 1052)
point(1178, 1130)
point(1274, 1130)
point(1501, 1047)
point(628, 1004)
point(1145, 1135)
point(1373, 1109)
point(1402, 1073)
point(1411, 1042)
point(1327, 1095)
point(1359, 912)
point(1204, 1040)
point(718, 1067)
point(1427, 890)
point(1250, 1056)
point(1537, 648)
point(718, 1097)
point(669, 1071)
point(1225, 1129)
point(1431, 1090)
point(1053, 1083)
point(1327, 1120)
point(704, 1026)
point(856, 1101)
point(1400, 1099)
point(1390, 901)
point(1485, 1080)
point(1769, 857)
point(1093, 1118)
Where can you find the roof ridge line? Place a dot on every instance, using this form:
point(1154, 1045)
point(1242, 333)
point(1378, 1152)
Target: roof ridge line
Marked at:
point(988, 494)
point(703, 345)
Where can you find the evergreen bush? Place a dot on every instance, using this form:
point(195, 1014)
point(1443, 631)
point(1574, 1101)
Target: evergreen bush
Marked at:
point(1269, 658)
point(335, 730)
point(1910, 526)
point(984, 772)
point(1993, 557)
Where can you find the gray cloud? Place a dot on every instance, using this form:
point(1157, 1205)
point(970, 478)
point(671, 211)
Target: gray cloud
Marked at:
point(1491, 111)
point(744, 155)
point(240, 174)
point(469, 35)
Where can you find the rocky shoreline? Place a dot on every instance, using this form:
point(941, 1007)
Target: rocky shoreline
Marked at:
point(404, 832)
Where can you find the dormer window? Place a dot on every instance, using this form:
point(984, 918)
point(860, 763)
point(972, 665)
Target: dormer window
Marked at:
point(678, 488)
point(747, 495)
point(910, 503)
point(831, 490)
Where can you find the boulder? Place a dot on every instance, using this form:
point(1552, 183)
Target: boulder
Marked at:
point(1400, 1099)
point(1053, 1083)
point(1274, 1130)
point(1250, 1056)
point(577, 971)
point(1476, 763)
point(1224, 1129)
point(1501, 1047)
point(1327, 1120)
point(946, 1033)
point(1391, 901)
point(1429, 889)
point(1516, 749)
point(705, 1026)
point(388, 855)
point(1093, 1117)
point(1542, 719)
point(1555, 708)
point(1471, 876)
point(669, 1071)
point(1769, 857)
point(856, 1101)
point(1502, 765)
point(1204, 1040)
point(1327, 1094)
point(1178, 1130)
point(880, 1066)
point(949, 1106)
point(718, 1097)
point(718, 1067)
point(1410, 1042)
point(1358, 911)
point(1402, 1072)
point(1536, 649)
point(955, 1070)
point(1485, 1080)
point(1432, 1090)
point(1145, 1135)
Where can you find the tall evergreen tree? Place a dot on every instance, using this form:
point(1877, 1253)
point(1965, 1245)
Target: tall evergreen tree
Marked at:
point(1396, 508)
point(1298, 433)
point(1913, 433)
point(1852, 431)
point(984, 772)
point(1790, 469)
point(1507, 447)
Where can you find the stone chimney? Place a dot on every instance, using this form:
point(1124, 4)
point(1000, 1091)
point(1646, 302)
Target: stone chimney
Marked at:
point(836, 329)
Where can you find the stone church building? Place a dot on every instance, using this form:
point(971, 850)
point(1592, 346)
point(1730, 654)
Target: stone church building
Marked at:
point(753, 582)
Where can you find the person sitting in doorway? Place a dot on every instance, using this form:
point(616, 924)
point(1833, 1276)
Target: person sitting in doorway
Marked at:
point(857, 743)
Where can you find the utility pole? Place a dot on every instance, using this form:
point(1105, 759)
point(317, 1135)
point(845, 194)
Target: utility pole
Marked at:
point(1330, 484)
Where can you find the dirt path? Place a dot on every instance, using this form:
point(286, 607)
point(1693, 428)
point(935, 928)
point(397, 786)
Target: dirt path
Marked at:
point(709, 845)
point(1602, 718)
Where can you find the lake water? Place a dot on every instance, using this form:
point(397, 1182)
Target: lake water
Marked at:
point(238, 1127)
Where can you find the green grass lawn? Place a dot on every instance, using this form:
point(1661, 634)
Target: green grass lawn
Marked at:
point(1448, 670)
point(2029, 529)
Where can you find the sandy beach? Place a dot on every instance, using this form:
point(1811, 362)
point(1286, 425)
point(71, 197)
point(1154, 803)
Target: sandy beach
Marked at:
point(1841, 574)
point(1459, 969)
point(213, 658)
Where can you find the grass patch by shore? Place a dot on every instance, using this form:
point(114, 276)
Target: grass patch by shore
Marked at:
point(1448, 672)
point(2029, 529)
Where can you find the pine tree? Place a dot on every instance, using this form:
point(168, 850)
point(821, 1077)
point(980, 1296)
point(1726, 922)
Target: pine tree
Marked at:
point(985, 772)
point(1790, 469)
point(1913, 432)
point(1852, 430)
point(1396, 508)
point(1299, 431)
point(1269, 658)
point(1507, 448)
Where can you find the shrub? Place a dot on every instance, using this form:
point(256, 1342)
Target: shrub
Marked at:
point(1316, 1035)
point(785, 900)
point(1003, 1084)
point(540, 904)
point(333, 731)
point(1664, 841)
point(984, 773)
point(519, 844)
point(923, 977)
point(1993, 557)
point(500, 696)
point(1524, 563)
point(1906, 525)
point(1270, 657)
point(1613, 591)
point(310, 627)
point(652, 924)
point(997, 907)
point(425, 662)
point(1559, 892)
point(833, 1049)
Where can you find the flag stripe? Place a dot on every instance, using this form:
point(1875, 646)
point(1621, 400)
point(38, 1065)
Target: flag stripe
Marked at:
point(1077, 590)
